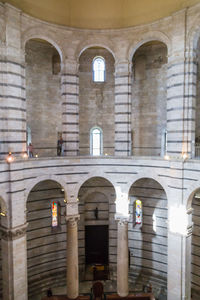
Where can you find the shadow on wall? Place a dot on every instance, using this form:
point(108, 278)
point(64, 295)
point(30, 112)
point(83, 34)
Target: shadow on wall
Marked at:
point(149, 95)
point(148, 240)
point(43, 92)
point(46, 238)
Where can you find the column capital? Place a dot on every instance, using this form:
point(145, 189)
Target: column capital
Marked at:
point(121, 220)
point(72, 220)
point(70, 66)
point(123, 67)
point(10, 234)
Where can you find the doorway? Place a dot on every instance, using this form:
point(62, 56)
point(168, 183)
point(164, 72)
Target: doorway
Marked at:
point(96, 244)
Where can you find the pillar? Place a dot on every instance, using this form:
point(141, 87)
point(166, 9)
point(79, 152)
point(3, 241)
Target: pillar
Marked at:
point(181, 91)
point(14, 263)
point(123, 108)
point(70, 107)
point(122, 258)
point(72, 257)
point(12, 83)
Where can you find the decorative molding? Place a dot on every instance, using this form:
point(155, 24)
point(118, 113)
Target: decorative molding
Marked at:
point(122, 220)
point(72, 220)
point(189, 230)
point(13, 233)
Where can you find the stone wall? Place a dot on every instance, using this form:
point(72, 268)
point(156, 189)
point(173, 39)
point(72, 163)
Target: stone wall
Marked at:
point(1, 280)
point(96, 101)
point(148, 242)
point(149, 98)
point(195, 252)
point(197, 123)
point(43, 94)
point(97, 192)
point(46, 246)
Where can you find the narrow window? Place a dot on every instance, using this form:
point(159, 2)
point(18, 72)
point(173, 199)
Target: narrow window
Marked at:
point(96, 144)
point(138, 212)
point(99, 69)
point(55, 214)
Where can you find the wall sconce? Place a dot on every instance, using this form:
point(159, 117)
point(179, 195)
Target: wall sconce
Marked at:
point(184, 156)
point(25, 155)
point(166, 157)
point(2, 214)
point(36, 155)
point(10, 158)
point(65, 200)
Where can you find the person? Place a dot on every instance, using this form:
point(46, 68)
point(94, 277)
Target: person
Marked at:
point(30, 150)
point(49, 293)
point(59, 146)
point(96, 212)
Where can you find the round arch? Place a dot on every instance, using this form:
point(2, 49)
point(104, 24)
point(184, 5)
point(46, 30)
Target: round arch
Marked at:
point(188, 197)
point(149, 37)
point(155, 177)
point(89, 44)
point(99, 174)
point(39, 179)
point(39, 33)
point(88, 193)
point(194, 34)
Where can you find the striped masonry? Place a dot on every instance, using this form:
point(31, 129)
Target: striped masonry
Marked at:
point(148, 242)
point(70, 113)
point(181, 91)
point(195, 259)
point(122, 111)
point(46, 246)
point(13, 107)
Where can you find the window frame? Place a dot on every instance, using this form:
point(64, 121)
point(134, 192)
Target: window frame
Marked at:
point(93, 69)
point(91, 141)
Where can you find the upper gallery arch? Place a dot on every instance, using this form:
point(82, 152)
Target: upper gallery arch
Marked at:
point(42, 34)
point(149, 37)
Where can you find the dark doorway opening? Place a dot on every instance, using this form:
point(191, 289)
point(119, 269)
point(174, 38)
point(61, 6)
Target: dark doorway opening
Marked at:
point(96, 244)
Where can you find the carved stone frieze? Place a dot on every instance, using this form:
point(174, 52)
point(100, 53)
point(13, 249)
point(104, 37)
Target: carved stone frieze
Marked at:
point(72, 220)
point(13, 233)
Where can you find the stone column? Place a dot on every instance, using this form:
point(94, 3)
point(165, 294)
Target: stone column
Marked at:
point(72, 257)
point(122, 258)
point(12, 83)
point(181, 91)
point(123, 108)
point(70, 107)
point(14, 263)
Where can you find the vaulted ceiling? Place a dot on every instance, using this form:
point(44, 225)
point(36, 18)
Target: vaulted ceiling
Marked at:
point(100, 14)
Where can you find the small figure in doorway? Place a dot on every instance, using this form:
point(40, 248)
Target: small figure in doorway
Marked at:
point(49, 293)
point(149, 288)
point(96, 213)
point(30, 150)
point(59, 146)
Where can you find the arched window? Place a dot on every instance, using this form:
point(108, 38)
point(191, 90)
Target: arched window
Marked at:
point(99, 69)
point(96, 141)
point(55, 214)
point(138, 212)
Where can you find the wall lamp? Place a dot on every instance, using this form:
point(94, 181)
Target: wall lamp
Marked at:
point(10, 158)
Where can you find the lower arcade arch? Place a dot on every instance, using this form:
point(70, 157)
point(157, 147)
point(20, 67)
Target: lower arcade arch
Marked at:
point(147, 237)
point(193, 246)
point(46, 238)
point(1, 279)
point(97, 230)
